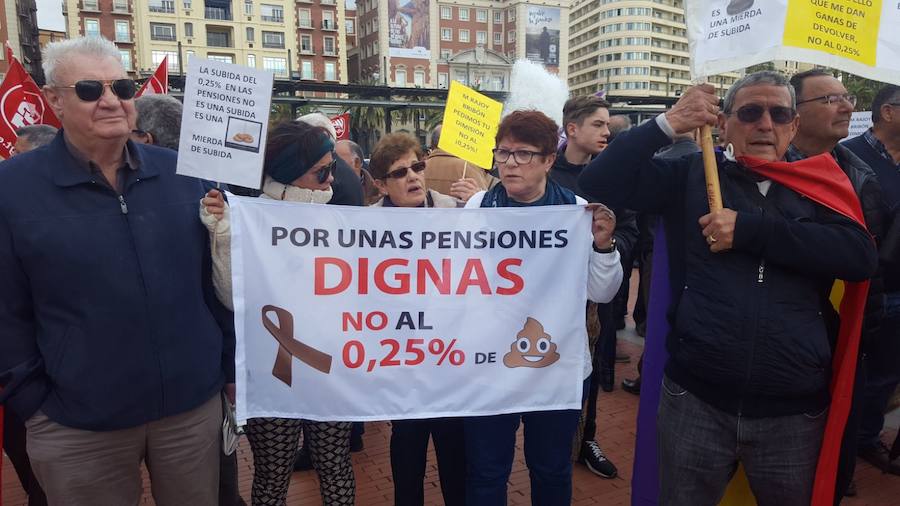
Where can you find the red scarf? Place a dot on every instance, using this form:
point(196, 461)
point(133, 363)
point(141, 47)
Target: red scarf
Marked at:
point(820, 179)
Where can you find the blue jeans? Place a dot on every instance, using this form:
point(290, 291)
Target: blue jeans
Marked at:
point(700, 447)
point(883, 373)
point(491, 447)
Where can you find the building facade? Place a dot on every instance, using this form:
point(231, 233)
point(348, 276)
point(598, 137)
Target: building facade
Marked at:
point(416, 42)
point(18, 25)
point(631, 48)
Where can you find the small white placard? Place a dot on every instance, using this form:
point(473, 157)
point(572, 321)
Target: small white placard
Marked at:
point(225, 122)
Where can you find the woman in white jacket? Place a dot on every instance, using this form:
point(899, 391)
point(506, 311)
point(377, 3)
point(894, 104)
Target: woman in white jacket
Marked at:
point(298, 167)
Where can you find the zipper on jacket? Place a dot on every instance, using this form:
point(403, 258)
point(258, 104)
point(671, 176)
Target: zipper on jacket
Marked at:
point(123, 205)
point(762, 271)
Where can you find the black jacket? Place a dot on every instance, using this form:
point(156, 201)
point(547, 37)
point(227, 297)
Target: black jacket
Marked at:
point(750, 332)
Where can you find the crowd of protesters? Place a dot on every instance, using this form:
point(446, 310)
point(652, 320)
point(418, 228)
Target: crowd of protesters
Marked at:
point(116, 325)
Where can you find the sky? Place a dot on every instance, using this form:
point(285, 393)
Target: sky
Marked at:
point(49, 14)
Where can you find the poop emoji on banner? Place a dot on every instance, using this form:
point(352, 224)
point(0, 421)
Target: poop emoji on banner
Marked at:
point(532, 348)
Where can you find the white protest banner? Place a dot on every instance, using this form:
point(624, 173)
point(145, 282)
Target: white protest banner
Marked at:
point(347, 313)
point(858, 36)
point(224, 123)
point(860, 121)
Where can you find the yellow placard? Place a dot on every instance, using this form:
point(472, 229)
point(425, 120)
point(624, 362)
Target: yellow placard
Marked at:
point(846, 28)
point(470, 125)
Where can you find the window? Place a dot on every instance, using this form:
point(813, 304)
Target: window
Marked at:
point(303, 18)
point(511, 15)
point(92, 27)
point(248, 7)
point(126, 59)
point(481, 15)
point(271, 13)
point(189, 29)
point(251, 34)
point(306, 70)
point(224, 58)
point(123, 31)
point(498, 17)
point(463, 13)
point(276, 65)
point(251, 61)
point(188, 55)
point(306, 44)
point(446, 34)
point(164, 6)
point(328, 46)
point(330, 71)
point(446, 12)
point(445, 54)
point(400, 77)
point(511, 36)
point(328, 20)
point(443, 80)
point(498, 38)
point(122, 6)
point(90, 5)
point(349, 26)
point(187, 5)
point(464, 36)
point(162, 31)
point(419, 78)
point(481, 37)
point(273, 40)
point(172, 62)
point(218, 39)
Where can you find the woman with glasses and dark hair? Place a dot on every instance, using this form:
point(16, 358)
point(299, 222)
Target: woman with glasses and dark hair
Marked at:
point(298, 168)
point(524, 155)
point(398, 168)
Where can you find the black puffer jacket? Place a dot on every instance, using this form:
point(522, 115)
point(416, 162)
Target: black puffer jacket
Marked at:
point(750, 330)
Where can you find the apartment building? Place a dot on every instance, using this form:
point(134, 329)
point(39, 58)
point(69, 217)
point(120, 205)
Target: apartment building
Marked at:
point(631, 48)
point(298, 38)
point(428, 43)
point(18, 25)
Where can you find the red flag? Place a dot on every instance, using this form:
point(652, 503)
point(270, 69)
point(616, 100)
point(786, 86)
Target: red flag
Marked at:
point(820, 179)
point(21, 104)
point(158, 84)
point(342, 126)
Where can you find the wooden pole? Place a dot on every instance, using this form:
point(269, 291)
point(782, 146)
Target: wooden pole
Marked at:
point(465, 166)
point(713, 191)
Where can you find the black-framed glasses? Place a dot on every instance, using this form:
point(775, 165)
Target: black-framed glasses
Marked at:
point(832, 99)
point(751, 113)
point(400, 172)
point(521, 156)
point(90, 90)
point(323, 174)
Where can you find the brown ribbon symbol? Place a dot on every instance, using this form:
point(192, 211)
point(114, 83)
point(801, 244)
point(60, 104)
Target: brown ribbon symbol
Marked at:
point(283, 332)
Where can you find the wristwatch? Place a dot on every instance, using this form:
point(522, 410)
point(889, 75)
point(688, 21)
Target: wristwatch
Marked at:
point(610, 249)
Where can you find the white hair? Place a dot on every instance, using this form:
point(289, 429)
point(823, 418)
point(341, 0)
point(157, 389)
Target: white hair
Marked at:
point(318, 119)
point(57, 53)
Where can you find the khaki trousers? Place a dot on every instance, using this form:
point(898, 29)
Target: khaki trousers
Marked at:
point(79, 467)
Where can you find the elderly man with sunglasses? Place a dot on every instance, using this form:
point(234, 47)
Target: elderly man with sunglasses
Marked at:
point(113, 347)
point(750, 345)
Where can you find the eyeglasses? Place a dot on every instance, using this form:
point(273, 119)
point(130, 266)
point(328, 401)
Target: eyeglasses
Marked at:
point(401, 172)
point(521, 156)
point(832, 99)
point(752, 113)
point(324, 173)
point(90, 90)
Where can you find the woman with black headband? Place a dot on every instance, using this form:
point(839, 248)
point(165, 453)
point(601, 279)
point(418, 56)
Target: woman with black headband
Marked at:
point(298, 168)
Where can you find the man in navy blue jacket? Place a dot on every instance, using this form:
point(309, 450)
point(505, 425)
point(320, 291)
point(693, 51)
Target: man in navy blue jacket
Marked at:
point(113, 347)
point(749, 347)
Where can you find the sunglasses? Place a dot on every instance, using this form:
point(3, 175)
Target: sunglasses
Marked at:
point(400, 172)
point(752, 113)
point(323, 173)
point(90, 90)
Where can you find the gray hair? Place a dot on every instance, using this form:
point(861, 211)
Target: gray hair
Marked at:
point(56, 53)
point(765, 77)
point(318, 119)
point(37, 135)
point(354, 147)
point(618, 123)
point(160, 116)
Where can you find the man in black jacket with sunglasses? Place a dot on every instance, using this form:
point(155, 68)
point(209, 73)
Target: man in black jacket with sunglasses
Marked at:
point(750, 345)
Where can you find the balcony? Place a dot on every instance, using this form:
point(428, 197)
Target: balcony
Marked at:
point(329, 25)
point(90, 6)
point(273, 19)
point(218, 39)
point(120, 7)
point(164, 6)
point(163, 37)
point(304, 23)
point(217, 13)
point(273, 45)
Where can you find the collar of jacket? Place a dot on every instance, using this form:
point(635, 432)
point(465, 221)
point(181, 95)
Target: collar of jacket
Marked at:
point(70, 172)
